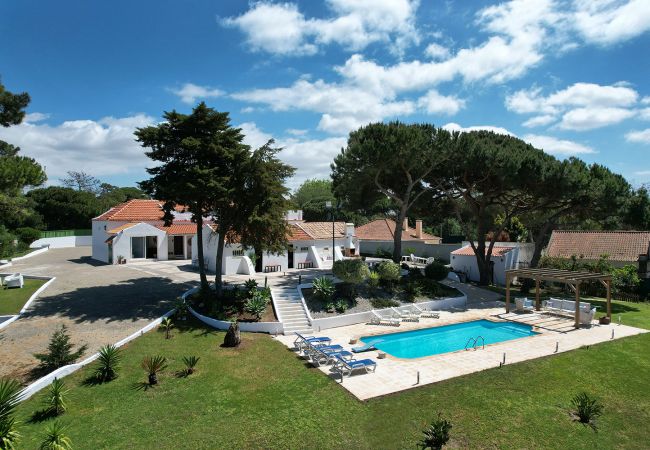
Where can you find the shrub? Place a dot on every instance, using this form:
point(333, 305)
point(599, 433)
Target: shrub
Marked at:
point(9, 394)
point(108, 363)
point(190, 364)
point(59, 351)
point(28, 235)
point(152, 365)
point(383, 303)
point(55, 399)
point(250, 286)
point(383, 253)
point(373, 280)
point(181, 308)
point(388, 271)
point(436, 271)
point(256, 305)
point(55, 439)
point(341, 306)
point(415, 273)
point(437, 434)
point(330, 306)
point(323, 289)
point(586, 407)
point(166, 325)
point(353, 271)
point(412, 291)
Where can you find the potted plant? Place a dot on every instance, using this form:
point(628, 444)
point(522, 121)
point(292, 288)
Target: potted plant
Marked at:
point(604, 320)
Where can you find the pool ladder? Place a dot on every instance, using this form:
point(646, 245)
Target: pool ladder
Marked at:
point(475, 342)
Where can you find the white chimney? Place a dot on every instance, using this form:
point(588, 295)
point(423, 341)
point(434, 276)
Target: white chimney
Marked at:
point(405, 226)
point(418, 228)
point(349, 236)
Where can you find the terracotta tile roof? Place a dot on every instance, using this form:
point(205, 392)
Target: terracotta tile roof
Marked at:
point(134, 210)
point(121, 228)
point(321, 230)
point(624, 246)
point(298, 234)
point(468, 251)
point(384, 230)
point(179, 227)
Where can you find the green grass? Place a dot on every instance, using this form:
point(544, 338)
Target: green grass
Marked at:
point(12, 300)
point(262, 396)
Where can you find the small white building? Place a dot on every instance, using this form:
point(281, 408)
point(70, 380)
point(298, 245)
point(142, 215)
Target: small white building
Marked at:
point(503, 258)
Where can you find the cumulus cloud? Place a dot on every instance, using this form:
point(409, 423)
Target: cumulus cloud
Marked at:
point(581, 119)
point(639, 137)
point(539, 121)
point(280, 28)
point(100, 148)
point(437, 51)
point(36, 117)
point(434, 103)
point(189, 93)
point(452, 126)
point(557, 147)
point(607, 22)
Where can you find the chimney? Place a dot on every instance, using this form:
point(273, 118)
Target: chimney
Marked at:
point(418, 228)
point(405, 225)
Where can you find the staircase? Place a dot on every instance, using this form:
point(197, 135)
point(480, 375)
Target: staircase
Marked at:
point(290, 310)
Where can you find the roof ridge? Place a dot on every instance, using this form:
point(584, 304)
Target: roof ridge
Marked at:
point(305, 231)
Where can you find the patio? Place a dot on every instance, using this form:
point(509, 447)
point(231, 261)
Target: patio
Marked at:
point(394, 374)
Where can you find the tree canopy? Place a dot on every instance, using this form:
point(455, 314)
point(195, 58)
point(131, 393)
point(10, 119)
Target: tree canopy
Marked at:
point(311, 197)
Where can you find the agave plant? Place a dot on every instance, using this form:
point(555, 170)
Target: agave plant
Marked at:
point(190, 363)
point(108, 362)
point(166, 325)
point(437, 434)
point(55, 399)
point(323, 288)
point(9, 394)
point(256, 305)
point(55, 439)
point(153, 365)
point(251, 286)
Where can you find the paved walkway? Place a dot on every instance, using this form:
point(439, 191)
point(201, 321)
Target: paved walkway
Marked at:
point(100, 304)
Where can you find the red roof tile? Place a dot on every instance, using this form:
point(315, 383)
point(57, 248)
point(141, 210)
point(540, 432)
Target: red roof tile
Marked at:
point(624, 246)
point(468, 251)
point(384, 230)
point(298, 234)
point(321, 230)
point(134, 210)
point(179, 227)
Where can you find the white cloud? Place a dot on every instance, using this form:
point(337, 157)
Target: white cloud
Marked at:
point(557, 147)
point(100, 148)
point(607, 22)
point(434, 103)
point(644, 114)
point(642, 173)
point(581, 119)
point(645, 100)
point(539, 121)
point(456, 127)
point(437, 51)
point(280, 28)
point(296, 132)
point(36, 117)
point(641, 137)
point(190, 92)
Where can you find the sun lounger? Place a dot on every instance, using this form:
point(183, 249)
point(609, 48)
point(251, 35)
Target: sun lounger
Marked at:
point(379, 319)
point(319, 357)
point(347, 367)
point(301, 340)
point(407, 315)
point(322, 347)
point(425, 313)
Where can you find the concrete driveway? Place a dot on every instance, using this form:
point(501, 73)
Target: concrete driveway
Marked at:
point(100, 304)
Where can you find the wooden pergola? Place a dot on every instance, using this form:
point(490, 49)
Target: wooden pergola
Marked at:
point(573, 279)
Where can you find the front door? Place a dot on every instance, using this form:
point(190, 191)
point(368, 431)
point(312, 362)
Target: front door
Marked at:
point(178, 246)
point(290, 257)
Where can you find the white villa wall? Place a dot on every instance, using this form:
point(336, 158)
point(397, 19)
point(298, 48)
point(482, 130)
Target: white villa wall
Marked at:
point(231, 265)
point(122, 241)
point(63, 242)
point(468, 265)
point(440, 252)
point(100, 230)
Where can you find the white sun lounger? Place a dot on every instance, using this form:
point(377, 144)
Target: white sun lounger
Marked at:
point(379, 319)
point(425, 313)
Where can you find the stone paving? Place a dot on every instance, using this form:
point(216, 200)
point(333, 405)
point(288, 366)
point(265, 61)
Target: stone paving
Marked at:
point(395, 374)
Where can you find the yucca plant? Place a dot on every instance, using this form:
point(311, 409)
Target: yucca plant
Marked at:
point(55, 398)
point(437, 434)
point(586, 407)
point(108, 363)
point(190, 364)
point(256, 305)
point(9, 394)
point(251, 286)
point(153, 365)
point(323, 288)
point(166, 325)
point(55, 439)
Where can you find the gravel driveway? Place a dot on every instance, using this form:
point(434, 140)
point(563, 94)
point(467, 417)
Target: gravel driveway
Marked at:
point(99, 303)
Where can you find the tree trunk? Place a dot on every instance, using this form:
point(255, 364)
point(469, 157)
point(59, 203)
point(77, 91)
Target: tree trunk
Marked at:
point(233, 336)
point(218, 278)
point(541, 240)
point(397, 237)
point(153, 379)
point(199, 252)
point(482, 262)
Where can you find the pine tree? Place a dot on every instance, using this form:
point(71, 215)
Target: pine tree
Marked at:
point(59, 351)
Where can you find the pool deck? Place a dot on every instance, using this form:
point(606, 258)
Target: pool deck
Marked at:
point(394, 374)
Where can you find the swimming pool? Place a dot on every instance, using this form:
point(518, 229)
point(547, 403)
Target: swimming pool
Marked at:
point(446, 338)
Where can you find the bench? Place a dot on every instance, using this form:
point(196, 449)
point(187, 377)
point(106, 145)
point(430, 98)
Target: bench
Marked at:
point(273, 268)
point(306, 265)
point(564, 307)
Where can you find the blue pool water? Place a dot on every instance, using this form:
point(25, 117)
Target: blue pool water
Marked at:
point(447, 338)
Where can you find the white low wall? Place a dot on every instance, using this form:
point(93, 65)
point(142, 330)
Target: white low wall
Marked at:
point(63, 242)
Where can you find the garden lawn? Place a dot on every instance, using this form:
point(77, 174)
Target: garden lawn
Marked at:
point(262, 396)
point(12, 300)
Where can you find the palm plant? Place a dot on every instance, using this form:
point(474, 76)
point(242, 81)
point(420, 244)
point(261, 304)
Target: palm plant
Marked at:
point(190, 363)
point(586, 407)
point(9, 395)
point(373, 281)
point(55, 399)
point(251, 286)
point(108, 362)
point(166, 325)
point(153, 365)
point(437, 434)
point(55, 439)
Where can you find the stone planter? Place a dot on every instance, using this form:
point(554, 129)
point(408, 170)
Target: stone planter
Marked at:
point(381, 355)
point(604, 320)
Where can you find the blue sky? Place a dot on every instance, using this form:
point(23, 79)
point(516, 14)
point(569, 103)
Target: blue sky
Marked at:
point(569, 76)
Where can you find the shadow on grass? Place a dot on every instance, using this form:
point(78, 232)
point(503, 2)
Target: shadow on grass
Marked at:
point(616, 307)
point(42, 415)
point(95, 380)
point(142, 386)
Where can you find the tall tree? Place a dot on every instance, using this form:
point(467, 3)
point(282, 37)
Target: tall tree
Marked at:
point(492, 179)
point(311, 197)
point(12, 107)
point(81, 181)
point(396, 161)
point(65, 208)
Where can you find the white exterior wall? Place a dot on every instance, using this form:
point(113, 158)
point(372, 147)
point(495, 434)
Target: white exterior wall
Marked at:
point(122, 241)
point(301, 253)
point(100, 230)
point(467, 264)
point(63, 242)
point(231, 265)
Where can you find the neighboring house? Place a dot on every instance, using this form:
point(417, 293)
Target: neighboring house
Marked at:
point(621, 247)
point(503, 258)
point(380, 234)
point(134, 230)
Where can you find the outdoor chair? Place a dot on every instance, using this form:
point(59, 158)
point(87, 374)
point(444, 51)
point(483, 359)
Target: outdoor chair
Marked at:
point(425, 313)
point(14, 281)
point(301, 340)
point(379, 319)
point(347, 367)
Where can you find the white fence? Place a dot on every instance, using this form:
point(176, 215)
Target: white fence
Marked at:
point(63, 242)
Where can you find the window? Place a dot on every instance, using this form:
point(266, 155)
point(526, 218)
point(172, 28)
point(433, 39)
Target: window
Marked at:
point(144, 247)
point(304, 249)
point(137, 247)
point(238, 253)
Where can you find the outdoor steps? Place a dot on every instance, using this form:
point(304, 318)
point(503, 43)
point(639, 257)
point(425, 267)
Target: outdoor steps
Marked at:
point(290, 310)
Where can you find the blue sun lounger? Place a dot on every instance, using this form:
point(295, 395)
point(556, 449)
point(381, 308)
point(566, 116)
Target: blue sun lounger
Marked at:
point(347, 367)
point(302, 341)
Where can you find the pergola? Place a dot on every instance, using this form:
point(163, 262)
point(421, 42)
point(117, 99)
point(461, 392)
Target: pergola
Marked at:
point(571, 278)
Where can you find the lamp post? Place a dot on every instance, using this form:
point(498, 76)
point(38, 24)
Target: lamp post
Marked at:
point(328, 205)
